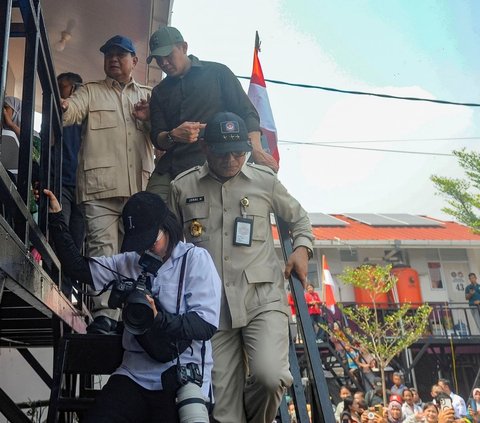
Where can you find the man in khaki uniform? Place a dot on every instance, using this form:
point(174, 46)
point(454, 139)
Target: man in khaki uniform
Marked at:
point(115, 158)
point(225, 207)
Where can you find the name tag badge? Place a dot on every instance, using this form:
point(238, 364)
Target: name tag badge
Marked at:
point(243, 232)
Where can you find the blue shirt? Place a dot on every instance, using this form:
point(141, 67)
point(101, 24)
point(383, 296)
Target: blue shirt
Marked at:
point(475, 296)
point(201, 294)
point(72, 137)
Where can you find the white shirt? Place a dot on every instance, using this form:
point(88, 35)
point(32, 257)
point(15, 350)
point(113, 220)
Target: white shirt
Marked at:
point(201, 294)
point(458, 405)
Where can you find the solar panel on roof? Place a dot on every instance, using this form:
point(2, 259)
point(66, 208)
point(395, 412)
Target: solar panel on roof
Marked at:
point(373, 219)
point(412, 220)
point(393, 219)
point(322, 219)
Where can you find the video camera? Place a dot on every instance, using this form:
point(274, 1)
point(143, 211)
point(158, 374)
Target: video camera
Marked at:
point(131, 294)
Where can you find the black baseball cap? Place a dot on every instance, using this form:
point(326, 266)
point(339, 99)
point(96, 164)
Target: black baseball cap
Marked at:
point(142, 216)
point(118, 41)
point(226, 132)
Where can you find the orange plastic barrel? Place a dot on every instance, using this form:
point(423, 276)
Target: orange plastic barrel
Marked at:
point(364, 297)
point(408, 286)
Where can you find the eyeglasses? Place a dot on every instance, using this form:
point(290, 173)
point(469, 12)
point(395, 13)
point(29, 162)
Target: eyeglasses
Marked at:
point(235, 154)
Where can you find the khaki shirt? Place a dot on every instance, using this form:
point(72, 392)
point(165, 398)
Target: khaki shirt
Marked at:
point(252, 277)
point(116, 156)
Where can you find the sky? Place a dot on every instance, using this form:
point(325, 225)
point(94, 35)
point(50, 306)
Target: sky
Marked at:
point(427, 49)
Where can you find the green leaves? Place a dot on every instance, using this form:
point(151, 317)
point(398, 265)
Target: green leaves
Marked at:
point(384, 333)
point(463, 195)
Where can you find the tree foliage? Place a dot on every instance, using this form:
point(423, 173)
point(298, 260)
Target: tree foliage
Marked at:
point(382, 335)
point(463, 195)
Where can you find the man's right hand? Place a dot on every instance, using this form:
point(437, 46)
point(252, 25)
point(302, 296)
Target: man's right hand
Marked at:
point(187, 132)
point(64, 104)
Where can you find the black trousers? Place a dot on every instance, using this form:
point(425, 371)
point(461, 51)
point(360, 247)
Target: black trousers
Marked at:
point(124, 401)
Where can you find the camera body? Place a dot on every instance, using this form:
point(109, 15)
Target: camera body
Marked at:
point(190, 373)
point(190, 400)
point(132, 295)
point(120, 291)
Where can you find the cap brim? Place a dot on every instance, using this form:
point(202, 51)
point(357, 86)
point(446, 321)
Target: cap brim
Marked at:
point(106, 47)
point(159, 52)
point(230, 147)
point(139, 242)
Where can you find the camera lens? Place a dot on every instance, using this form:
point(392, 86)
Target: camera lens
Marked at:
point(191, 404)
point(137, 313)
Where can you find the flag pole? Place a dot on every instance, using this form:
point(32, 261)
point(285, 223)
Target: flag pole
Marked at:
point(257, 41)
point(324, 293)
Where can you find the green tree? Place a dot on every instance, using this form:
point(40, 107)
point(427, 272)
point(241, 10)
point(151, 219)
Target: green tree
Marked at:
point(463, 195)
point(382, 337)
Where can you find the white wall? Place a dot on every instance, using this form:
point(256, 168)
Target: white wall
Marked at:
point(19, 380)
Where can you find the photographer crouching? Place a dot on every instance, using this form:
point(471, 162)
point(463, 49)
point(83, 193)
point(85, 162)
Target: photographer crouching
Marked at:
point(170, 292)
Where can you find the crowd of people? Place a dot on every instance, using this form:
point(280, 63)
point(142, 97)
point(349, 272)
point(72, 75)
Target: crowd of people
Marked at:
point(404, 405)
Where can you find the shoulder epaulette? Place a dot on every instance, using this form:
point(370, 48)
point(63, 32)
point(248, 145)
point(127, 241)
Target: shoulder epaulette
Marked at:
point(188, 171)
point(262, 168)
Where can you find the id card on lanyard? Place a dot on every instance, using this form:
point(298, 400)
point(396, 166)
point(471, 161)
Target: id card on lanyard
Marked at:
point(243, 230)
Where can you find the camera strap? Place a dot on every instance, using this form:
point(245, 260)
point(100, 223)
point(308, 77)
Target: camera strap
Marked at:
point(179, 300)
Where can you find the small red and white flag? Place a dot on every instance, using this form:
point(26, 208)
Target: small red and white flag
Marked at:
point(257, 92)
point(328, 286)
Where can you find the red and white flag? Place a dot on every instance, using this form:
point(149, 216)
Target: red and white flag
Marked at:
point(257, 92)
point(328, 286)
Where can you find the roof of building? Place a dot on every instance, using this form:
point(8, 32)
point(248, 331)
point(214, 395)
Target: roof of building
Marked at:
point(376, 227)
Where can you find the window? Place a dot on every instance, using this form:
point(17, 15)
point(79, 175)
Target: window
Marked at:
point(435, 272)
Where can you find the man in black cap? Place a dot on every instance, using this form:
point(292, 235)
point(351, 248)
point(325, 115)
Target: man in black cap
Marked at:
point(224, 207)
point(192, 93)
point(116, 155)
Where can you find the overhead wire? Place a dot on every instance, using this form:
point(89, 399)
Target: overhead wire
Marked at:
point(426, 153)
point(395, 97)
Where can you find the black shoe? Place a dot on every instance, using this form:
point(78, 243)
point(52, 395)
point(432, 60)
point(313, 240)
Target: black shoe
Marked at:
point(102, 325)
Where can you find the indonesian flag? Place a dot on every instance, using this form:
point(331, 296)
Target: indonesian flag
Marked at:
point(328, 286)
point(257, 92)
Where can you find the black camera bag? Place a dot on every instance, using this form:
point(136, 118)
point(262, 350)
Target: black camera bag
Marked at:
point(159, 345)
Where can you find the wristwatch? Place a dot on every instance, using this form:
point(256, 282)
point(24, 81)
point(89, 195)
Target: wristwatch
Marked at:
point(309, 251)
point(170, 138)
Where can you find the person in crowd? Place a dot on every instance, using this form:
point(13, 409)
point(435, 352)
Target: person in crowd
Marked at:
point(431, 414)
point(184, 301)
point(12, 114)
point(375, 396)
point(351, 411)
point(365, 362)
point(409, 407)
point(192, 92)
point(458, 402)
point(12, 119)
point(472, 295)
point(344, 392)
point(68, 82)
point(314, 310)
point(225, 207)
point(416, 398)
point(474, 404)
point(435, 390)
point(398, 386)
point(116, 156)
point(293, 316)
point(351, 355)
point(394, 412)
